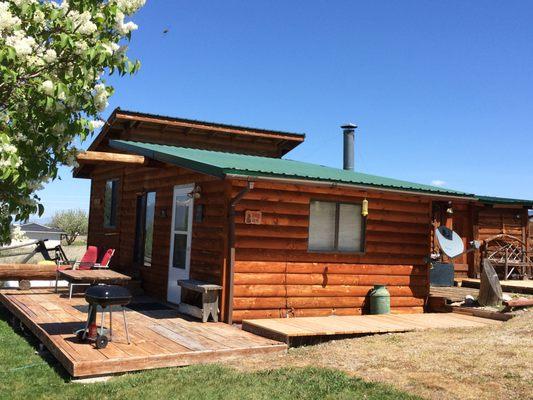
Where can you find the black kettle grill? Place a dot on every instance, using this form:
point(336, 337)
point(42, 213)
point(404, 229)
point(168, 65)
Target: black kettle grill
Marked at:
point(105, 296)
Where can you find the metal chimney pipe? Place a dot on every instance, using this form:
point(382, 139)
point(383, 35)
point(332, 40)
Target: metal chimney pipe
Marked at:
point(348, 131)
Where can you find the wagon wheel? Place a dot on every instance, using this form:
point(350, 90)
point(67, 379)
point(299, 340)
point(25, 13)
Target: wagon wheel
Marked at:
point(101, 341)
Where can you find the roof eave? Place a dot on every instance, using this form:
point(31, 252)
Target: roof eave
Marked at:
point(192, 165)
point(233, 174)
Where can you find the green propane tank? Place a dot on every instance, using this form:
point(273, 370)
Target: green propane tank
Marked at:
point(379, 300)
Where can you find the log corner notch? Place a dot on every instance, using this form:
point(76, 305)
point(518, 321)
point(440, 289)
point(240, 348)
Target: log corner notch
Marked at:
point(100, 157)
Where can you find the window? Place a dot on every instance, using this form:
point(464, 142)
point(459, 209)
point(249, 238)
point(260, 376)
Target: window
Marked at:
point(335, 227)
point(181, 228)
point(110, 203)
point(144, 229)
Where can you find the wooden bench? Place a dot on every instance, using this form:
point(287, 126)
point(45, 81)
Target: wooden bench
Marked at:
point(209, 293)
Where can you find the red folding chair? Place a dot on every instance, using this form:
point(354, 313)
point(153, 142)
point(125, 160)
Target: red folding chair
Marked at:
point(86, 265)
point(106, 259)
point(86, 262)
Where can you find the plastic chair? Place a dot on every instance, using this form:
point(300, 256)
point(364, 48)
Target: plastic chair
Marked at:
point(88, 259)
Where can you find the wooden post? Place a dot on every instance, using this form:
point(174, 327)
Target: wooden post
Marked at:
point(506, 264)
point(490, 290)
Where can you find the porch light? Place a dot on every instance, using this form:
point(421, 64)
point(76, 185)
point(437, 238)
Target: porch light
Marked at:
point(196, 192)
point(449, 210)
point(364, 208)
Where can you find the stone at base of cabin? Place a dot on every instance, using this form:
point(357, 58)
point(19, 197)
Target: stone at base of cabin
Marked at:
point(490, 290)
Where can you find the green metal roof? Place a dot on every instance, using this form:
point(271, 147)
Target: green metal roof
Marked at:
point(222, 164)
point(504, 200)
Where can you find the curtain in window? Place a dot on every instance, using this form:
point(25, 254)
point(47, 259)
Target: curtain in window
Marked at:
point(322, 225)
point(350, 227)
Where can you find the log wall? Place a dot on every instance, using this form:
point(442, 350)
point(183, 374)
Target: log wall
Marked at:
point(261, 146)
point(207, 255)
point(275, 274)
point(493, 221)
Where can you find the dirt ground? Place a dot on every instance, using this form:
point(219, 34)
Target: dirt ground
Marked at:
point(488, 363)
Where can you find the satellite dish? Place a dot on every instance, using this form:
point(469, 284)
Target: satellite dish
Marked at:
point(450, 242)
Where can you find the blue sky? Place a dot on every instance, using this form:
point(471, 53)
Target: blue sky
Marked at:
point(441, 91)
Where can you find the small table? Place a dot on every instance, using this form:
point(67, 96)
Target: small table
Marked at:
point(209, 293)
point(92, 277)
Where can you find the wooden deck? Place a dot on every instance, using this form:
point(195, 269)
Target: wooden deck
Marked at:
point(293, 330)
point(159, 337)
point(453, 293)
point(513, 286)
point(457, 293)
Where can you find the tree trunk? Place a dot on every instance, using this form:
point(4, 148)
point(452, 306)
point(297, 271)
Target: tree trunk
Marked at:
point(490, 290)
point(71, 238)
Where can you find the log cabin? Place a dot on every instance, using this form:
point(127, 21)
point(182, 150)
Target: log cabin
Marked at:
point(187, 199)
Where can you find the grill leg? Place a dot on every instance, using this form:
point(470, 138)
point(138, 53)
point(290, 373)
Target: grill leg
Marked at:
point(126, 325)
point(103, 320)
point(89, 315)
point(110, 323)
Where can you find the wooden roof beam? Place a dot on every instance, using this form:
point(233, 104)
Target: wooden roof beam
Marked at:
point(100, 157)
point(207, 127)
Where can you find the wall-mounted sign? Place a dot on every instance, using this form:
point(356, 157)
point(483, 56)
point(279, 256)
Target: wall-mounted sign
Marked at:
point(252, 217)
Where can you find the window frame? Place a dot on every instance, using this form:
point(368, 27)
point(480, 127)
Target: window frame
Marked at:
point(114, 204)
point(139, 246)
point(336, 237)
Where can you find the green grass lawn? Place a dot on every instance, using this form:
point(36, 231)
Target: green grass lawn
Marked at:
point(26, 375)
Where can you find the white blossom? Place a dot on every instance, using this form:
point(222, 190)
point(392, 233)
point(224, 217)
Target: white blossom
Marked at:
point(6, 148)
point(18, 235)
point(48, 87)
point(20, 3)
point(130, 6)
point(39, 16)
point(23, 44)
point(40, 133)
point(124, 28)
point(50, 55)
point(96, 124)
point(100, 97)
point(83, 22)
point(59, 128)
point(111, 47)
point(7, 19)
point(81, 47)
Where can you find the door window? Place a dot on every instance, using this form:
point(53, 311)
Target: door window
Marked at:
point(181, 230)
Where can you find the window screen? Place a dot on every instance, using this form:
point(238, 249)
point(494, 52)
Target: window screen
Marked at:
point(335, 227)
point(110, 203)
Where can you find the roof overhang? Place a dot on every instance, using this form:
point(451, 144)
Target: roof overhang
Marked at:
point(218, 172)
point(134, 119)
point(504, 202)
point(127, 121)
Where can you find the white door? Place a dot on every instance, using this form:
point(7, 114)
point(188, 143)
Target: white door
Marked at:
point(180, 240)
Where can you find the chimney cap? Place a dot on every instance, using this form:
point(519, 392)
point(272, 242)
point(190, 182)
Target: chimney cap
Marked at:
point(349, 125)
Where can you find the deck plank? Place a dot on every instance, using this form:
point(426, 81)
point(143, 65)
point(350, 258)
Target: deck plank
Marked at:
point(157, 339)
point(286, 329)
